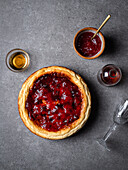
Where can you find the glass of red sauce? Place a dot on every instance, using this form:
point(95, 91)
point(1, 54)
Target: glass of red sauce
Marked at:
point(85, 46)
point(109, 75)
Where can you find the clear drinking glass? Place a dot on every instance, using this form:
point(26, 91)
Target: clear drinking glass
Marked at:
point(120, 117)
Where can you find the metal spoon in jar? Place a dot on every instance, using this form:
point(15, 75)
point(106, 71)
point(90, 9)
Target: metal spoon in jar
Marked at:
point(104, 22)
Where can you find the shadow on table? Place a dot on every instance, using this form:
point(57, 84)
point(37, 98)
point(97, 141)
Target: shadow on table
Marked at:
point(118, 143)
point(111, 45)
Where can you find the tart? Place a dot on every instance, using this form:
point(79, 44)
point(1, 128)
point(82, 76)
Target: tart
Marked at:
point(54, 102)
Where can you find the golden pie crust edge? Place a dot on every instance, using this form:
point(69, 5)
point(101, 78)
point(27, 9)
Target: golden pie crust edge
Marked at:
point(70, 129)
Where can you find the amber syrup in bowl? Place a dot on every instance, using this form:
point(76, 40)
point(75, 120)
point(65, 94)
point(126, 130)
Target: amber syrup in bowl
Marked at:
point(109, 75)
point(17, 60)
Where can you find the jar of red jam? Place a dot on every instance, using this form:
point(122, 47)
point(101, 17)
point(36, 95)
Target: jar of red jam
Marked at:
point(87, 47)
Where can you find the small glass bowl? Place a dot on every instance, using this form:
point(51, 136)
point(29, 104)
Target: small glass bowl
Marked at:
point(10, 57)
point(109, 75)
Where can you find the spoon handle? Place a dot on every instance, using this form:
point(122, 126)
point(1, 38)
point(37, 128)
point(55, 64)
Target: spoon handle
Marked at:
point(104, 22)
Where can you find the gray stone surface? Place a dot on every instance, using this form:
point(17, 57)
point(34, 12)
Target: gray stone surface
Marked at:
point(45, 29)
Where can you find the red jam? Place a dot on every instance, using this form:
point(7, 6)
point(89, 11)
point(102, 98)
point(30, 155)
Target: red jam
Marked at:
point(54, 102)
point(87, 47)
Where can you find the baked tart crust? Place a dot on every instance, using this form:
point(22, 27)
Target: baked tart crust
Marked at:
point(71, 128)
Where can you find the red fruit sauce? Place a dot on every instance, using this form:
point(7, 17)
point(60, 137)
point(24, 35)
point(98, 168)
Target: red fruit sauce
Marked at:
point(54, 102)
point(87, 47)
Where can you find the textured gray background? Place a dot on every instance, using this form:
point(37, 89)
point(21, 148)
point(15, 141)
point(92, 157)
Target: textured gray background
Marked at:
point(45, 29)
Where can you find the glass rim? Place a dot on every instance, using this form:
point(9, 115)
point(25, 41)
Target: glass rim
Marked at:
point(107, 65)
point(9, 54)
